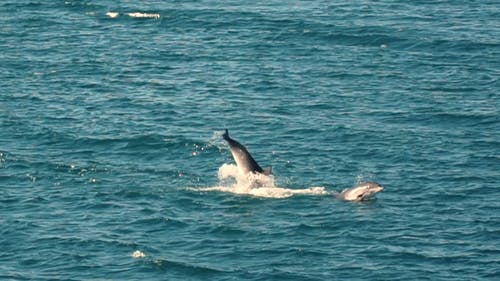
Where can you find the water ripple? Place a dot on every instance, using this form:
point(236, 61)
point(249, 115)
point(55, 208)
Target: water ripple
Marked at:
point(110, 139)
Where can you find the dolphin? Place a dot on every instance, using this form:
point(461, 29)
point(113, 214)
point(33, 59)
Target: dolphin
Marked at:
point(245, 162)
point(360, 192)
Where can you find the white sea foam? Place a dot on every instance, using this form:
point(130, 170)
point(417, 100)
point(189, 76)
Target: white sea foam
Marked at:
point(112, 14)
point(144, 15)
point(266, 192)
point(232, 181)
point(134, 15)
point(138, 254)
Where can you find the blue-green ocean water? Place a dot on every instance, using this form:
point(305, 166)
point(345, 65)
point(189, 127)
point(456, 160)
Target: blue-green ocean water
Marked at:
point(110, 136)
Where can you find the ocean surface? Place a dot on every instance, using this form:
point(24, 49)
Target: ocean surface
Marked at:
point(112, 161)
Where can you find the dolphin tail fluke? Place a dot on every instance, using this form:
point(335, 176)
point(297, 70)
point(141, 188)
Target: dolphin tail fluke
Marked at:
point(267, 171)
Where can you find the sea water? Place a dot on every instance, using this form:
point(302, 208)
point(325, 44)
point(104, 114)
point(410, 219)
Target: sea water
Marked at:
point(112, 164)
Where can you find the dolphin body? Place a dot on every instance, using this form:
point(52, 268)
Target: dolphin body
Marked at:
point(361, 192)
point(245, 162)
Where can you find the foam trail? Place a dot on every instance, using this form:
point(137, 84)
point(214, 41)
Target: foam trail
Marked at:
point(255, 185)
point(144, 15)
point(266, 192)
point(112, 14)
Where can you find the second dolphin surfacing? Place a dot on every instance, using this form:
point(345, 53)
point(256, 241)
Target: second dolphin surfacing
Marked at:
point(360, 192)
point(245, 162)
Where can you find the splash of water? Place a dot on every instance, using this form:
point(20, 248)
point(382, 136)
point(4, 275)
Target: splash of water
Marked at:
point(258, 185)
point(138, 254)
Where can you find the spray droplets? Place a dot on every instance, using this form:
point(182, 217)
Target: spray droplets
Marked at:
point(197, 150)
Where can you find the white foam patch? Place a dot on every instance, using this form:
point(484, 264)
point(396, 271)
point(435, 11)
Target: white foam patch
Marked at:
point(144, 15)
point(138, 254)
point(232, 181)
point(266, 192)
point(134, 15)
point(228, 170)
point(112, 14)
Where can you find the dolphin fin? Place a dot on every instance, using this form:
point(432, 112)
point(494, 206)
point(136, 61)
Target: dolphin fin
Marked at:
point(267, 171)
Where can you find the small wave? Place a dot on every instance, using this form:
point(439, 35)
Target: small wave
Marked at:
point(134, 15)
point(188, 267)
